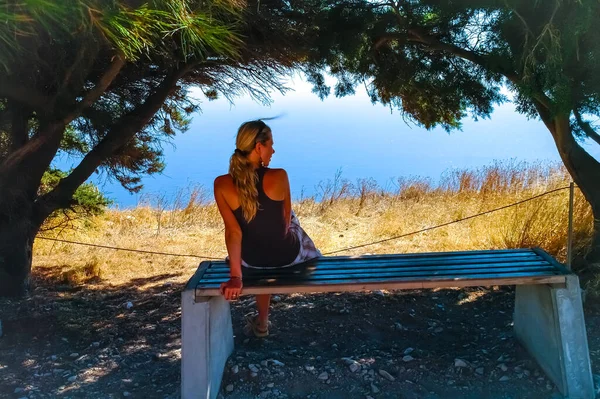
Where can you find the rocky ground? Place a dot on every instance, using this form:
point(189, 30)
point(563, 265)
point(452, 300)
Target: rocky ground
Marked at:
point(103, 341)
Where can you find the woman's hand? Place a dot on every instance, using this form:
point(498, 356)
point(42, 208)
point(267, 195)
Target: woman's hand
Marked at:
point(232, 289)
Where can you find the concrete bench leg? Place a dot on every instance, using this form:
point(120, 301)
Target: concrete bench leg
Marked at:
point(206, 343)
point(549, 323)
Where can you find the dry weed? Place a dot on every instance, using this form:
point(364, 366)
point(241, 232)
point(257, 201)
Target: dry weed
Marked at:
point(341, 215)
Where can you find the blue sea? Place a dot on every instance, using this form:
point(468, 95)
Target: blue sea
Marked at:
point(315, 140)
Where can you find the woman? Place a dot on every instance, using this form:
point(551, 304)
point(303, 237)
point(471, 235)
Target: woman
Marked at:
point(261, 230)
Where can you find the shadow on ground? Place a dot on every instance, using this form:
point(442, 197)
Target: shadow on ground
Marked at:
point(100, 340)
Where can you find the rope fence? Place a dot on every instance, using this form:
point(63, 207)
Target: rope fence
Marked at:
point(327, 253)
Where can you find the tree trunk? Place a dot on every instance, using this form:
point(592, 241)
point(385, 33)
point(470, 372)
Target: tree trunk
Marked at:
point(585, 171)
point(17, 233)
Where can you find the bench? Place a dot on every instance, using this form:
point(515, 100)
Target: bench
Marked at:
point(548, 314)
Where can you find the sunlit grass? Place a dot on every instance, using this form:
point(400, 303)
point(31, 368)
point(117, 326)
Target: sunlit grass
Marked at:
point(343, 214)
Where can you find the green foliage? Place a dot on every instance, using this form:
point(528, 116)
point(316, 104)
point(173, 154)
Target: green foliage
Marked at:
point(87, 200)
point(159, 26)
point(57, 53)
point(438, 61)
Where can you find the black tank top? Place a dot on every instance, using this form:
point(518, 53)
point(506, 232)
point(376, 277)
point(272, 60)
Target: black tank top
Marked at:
point(265, 242)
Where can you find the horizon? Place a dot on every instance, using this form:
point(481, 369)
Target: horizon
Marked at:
point(314, 139)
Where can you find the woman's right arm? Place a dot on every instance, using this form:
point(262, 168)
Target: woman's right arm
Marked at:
point(233, 240)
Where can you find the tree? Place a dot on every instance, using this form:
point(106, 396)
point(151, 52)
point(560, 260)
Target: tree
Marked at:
point(108, 81)
point(438, 61)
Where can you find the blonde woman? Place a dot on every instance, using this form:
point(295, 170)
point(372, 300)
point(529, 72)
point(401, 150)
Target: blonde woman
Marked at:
point(261, 231)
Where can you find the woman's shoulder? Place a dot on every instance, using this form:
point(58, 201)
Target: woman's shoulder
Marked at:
point(276, 172)
point(223, 181)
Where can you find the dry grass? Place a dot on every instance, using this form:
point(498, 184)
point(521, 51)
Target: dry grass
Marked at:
point(342, 214)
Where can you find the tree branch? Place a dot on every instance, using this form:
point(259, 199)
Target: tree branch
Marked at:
point(120, 133)
point(18, 130)
point(416, 35)
point(74, 65)
point(111, 73)
point(586, 127)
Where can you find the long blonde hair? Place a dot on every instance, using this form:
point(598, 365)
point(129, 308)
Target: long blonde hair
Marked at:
point(240, 167)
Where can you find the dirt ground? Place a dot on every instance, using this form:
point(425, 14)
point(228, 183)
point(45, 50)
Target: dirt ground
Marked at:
point(102, 341)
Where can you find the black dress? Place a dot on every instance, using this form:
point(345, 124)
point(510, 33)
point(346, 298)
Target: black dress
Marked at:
point(266, 243)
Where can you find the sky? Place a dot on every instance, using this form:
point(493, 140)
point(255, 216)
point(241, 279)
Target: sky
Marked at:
point(314, 139)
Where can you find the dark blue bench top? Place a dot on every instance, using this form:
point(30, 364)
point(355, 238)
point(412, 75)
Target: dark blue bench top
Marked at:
point(398, 271)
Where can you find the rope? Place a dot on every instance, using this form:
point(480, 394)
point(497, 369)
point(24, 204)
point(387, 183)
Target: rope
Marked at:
point(446, 224)
point(128, 249)
point(327, 253)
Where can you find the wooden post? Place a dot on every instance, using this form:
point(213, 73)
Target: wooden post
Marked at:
point(570, 233)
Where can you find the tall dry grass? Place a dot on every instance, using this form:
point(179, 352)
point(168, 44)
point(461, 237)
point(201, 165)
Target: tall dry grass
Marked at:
point(341, 214)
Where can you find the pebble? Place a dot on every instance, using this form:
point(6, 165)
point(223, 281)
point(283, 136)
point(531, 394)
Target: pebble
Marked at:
point(324, 376)
point(235, 369)
point(264, 363)
point(126, 394)
point(128, 305)
point(19, 390)
point(309, 368)
point(408, 358)
point(53, 358)
point(74, 354)
point(270, 385)
point(253, 375)
point(386, 375)
point(408, 351)
point(399, 326)
point(374, 388)
point(379, 292)
point(504, 378)
point(253, 368)
point(354, 367)
point(229, 388)
point(95, 344)
point(503, 367)
point(277, 363)
point(479, 370)
point(275, 298)
point(460, 363)
point(72, 378)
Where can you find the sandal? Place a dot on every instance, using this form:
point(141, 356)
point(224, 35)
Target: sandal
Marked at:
point(251, 327)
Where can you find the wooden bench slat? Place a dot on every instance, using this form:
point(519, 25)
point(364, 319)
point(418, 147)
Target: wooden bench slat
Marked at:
point(416, 256)
point(463, 269)
point(378, 284)
point(376, 268)
point(350, 277)
point(382, 262)
point(441, 254)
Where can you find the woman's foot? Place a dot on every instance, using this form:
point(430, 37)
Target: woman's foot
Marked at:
point(255, 327)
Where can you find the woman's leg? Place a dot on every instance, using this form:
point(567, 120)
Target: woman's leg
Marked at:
point(262, 303)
